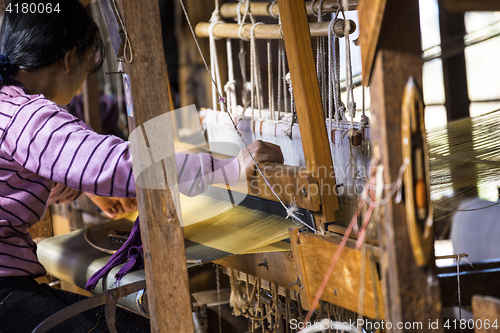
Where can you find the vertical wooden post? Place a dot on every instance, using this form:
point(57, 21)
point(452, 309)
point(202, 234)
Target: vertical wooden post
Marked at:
point(162, 237)
point(308, 101)
point(452, 31)
point(411, 293)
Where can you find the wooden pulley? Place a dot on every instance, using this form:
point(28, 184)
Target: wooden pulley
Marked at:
point(416, 175)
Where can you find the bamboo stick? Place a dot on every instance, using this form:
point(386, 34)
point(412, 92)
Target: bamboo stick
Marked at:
point(265, 31)
point(229, 10)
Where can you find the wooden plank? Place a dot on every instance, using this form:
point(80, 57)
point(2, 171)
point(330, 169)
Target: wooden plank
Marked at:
point(486, 310)
point(370, 13)
point(343, 287)
point(279, 268)
point(292, 184)
point(165, 265)
point(308, 101)
point(461, 6)
point(411, 294)
point(305, 296)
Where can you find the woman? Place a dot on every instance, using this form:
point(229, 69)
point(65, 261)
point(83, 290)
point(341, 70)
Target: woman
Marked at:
point(48, 155)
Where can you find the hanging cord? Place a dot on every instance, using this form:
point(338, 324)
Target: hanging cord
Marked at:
point(128, 45)
point(255, 98)
point(242, 59)
point(270, 9)
point(293, 119)
point(214, 62)
point(290, 210)
point(334, 98)
point(331, 102)
point(351, 105)
point(230, 87)
point(270, 83)
point(280, 42)
point(339, 106)
point(320, 56)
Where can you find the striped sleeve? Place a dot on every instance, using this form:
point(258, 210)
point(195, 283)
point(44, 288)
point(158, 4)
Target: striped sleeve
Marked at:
point(54, 144)
point(196, 172)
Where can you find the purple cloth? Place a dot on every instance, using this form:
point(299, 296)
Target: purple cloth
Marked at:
point(132, 249)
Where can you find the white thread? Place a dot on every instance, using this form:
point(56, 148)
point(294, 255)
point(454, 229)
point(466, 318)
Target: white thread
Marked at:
point(230, 86)
point(280, 42)
point(255, 74)
point(214, 62)
point(270, 82)
point(320, 57)
point(270, 9)
point(395, 188)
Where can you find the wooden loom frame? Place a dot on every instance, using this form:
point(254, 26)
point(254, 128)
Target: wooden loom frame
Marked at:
point(391, 46)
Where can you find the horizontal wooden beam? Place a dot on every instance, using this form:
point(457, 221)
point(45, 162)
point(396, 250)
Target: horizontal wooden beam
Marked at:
point(262, 31)
point(292, 184)
point(275, 267)
point(461, 6)
point(230, 10)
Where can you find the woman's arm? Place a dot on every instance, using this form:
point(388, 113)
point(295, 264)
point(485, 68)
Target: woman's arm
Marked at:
point(54, 144)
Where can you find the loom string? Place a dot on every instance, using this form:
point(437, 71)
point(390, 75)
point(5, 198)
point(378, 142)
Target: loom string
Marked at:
point(291, 211)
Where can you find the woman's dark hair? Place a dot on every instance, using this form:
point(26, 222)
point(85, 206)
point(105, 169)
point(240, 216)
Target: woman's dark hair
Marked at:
point(34, 40)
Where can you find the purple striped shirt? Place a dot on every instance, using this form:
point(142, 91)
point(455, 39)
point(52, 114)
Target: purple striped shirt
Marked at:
point(47, 155)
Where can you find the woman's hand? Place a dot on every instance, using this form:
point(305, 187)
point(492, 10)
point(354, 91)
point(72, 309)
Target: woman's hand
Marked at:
point(113, 207)
point(262, 152)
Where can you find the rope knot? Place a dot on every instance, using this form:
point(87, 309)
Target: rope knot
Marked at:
point(351, 107)
point(230, 86)
point(364, 120)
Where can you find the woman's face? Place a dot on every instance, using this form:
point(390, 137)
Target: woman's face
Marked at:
point(77, 70)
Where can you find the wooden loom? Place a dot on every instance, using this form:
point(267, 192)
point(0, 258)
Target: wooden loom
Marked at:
point(165, 268)
point(394, 53)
